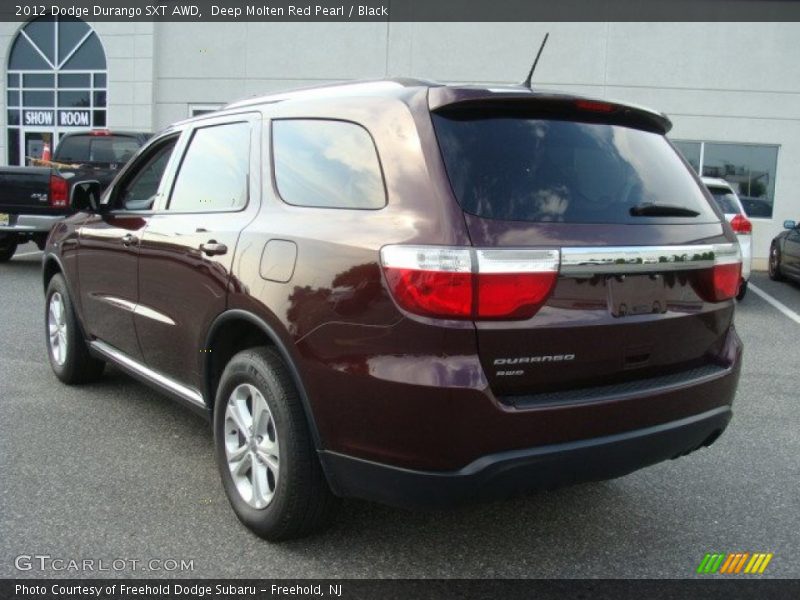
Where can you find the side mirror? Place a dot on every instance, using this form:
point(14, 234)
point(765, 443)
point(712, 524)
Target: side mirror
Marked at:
point(85, 195)
point(789, 224)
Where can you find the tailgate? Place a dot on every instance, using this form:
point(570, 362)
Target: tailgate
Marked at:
point(645, 268)
point(616, 313)
point(24, 190)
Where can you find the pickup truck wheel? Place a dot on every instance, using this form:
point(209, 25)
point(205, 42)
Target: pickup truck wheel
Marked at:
point(66, 348)
point(265, 453)
point(8, 246)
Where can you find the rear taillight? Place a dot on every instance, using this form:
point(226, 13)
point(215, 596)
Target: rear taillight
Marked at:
point(59, 196)
point(430, 281)
point(466, 283)
point(513, 284)
point(721, 281)
point(741, 224)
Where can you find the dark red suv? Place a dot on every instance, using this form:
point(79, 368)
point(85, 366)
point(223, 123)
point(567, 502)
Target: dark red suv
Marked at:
point(408, 292)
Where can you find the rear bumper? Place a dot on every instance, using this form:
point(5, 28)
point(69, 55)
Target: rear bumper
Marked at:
point(510, 473)
point(31, 223)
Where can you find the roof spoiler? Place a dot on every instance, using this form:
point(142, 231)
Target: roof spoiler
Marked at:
point(523, 101)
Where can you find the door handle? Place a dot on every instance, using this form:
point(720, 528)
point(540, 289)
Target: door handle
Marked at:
point(212, 248)
point(129, 239)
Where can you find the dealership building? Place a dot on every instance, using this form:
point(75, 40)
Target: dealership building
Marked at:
point(732, 90)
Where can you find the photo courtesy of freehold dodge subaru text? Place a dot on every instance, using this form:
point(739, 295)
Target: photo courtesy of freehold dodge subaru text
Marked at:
point(404, 292)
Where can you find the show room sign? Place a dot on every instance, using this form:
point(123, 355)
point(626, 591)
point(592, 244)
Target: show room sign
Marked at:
point(66, 118)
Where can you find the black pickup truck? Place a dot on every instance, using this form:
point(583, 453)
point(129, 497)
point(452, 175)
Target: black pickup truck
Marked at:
point(33, 199)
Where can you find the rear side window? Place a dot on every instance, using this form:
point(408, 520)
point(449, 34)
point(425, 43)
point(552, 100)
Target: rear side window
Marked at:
point(326, 164)
point(100, 148)
point(214, 172)
point(725, 200)
point(529, 169)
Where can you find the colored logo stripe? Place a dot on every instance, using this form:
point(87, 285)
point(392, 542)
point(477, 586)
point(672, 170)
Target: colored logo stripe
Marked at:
point(758, 563)
point(710, 563)
point(734, 563)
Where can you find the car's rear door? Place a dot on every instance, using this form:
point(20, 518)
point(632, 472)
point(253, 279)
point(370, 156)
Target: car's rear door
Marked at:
point(109, 249)
point(188, 247)
point(630, 234)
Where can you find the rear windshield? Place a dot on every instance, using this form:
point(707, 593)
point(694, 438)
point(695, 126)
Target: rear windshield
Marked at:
point(95, 148)
point(725, 200)
point(531, 169)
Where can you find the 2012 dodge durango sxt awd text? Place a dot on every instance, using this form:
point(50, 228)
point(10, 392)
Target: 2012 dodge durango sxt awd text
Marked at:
point(408, 292)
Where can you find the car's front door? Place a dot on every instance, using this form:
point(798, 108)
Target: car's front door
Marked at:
point(188, 247)
point(109, 249)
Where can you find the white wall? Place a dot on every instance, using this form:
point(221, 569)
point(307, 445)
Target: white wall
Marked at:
point(7, 33)
point(129, 53)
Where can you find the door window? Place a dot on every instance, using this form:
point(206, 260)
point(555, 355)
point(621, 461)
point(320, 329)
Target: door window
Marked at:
point(214, 173)
point(139, 188)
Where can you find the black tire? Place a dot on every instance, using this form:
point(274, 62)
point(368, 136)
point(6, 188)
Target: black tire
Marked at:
point(8, 246)
point(774, 263)
point(301, 502)
point(742, 290)
point(78, 366)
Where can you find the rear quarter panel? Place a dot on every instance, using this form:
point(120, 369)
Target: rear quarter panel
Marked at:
point(335, 315)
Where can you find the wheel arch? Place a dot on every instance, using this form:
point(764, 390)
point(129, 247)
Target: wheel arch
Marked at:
point(230, 322)
point(51, 266)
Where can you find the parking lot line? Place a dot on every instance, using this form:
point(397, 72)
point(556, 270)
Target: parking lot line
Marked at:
point(28, 253)
point(779, 305)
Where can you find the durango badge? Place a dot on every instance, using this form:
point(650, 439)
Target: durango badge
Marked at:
point(525, 360)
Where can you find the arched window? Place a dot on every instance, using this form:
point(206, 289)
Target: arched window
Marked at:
point(57, 82)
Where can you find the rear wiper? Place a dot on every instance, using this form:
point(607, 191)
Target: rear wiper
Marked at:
point(650, 209)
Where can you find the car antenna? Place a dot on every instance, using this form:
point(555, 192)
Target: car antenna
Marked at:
point(527, 82)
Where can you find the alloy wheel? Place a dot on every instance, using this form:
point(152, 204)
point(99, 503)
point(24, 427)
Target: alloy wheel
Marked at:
point(251, 445)
point(57, 328)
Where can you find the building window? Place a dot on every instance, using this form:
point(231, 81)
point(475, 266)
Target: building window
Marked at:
point(749, 168)
point(56, 82)
point(195, 110)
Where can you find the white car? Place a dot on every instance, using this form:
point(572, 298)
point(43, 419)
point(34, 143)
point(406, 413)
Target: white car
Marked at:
point(731, 206)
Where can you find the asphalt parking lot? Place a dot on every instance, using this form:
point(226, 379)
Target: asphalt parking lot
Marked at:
point(116, 471)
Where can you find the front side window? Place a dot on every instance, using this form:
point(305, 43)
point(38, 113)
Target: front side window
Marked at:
point(214, 172)
point(138, 189)
point(326, 164)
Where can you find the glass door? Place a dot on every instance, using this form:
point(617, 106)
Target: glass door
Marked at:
point(34, 141)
